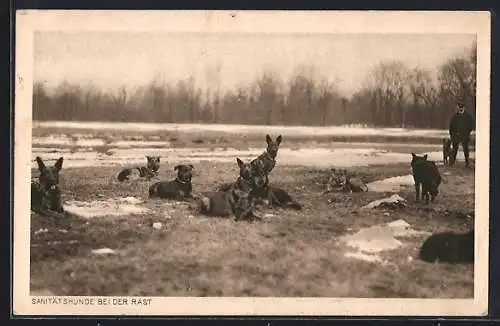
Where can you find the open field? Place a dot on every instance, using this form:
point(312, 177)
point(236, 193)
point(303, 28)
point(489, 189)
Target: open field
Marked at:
point(168, 249)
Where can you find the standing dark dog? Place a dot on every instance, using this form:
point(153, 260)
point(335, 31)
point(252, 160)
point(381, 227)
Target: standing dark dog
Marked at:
point(425, 174)
point(446, 151)
point(46, 194)
point(449, 247)
point(149, 171)
point(268, 158)
point(178, 189)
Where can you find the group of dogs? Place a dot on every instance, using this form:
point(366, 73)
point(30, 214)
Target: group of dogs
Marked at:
point(238, 199)
point(252, 188)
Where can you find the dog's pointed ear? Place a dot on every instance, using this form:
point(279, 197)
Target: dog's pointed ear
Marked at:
point(413, 154)
point(191, 166)
point(268, 139)
point(278, 140)
point(148, 157)
point(240, 162)
point(425, 157)
point(41, 165)
point(177, 167)
point(58, 164)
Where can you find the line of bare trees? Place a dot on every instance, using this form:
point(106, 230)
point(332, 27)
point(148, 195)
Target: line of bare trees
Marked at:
point(392, 95)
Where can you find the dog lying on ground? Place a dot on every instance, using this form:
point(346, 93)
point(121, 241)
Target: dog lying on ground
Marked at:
point(236, 198)
point(449, 247)
point(425, 174)
point(446, 151)
point(149, 171)
point(261, 191)
point(340, 180)
point(234, 202)
point(45, 193)
point(178, 189)
point(268, 159)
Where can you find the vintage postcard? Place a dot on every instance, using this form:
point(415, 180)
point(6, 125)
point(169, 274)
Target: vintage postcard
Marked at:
point(251, 163)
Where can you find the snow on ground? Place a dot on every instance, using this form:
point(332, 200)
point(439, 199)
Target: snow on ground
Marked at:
point(110, 207)
point(242, 129)
point(312, 157)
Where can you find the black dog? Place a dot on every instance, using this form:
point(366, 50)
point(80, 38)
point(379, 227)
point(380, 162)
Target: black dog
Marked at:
point(425, 174)
point(446, 151)
point(449, 247)
point(149, 171)
point(178, 189)
point(46, 194)
point(268, 158)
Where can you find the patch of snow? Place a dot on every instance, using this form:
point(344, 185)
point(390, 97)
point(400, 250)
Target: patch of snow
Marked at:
point(372, 240)
point(41, 231)
point(400, 228)
point(369, 242)
point(372, 258)
point(111, 207)
point(157, 225)
point(392, 200)
point(103, 251)
point(393, 184)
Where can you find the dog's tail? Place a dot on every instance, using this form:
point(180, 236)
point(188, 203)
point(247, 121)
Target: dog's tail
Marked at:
point(153, 190)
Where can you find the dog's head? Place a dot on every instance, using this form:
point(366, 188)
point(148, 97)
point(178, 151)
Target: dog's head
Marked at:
point(417, 159)
point(273, 145)
point(184, 172)
point(241, 203)
point(49, 176)
point(153, 163)
point(245, 169)
point(338, 177)
point(258, 174)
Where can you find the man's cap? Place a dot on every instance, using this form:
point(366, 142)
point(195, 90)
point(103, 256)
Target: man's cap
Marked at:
point(460, 104)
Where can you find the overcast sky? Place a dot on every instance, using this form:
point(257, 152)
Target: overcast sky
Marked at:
point(113, 59)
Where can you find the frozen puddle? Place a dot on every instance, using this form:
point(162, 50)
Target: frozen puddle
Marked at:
point(368, 243)
point(111, 207)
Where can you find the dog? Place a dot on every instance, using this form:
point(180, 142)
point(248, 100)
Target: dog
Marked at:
point(45, 193)
point(149, 171)
point(235, 198)
point(268, 158)
point(449, 247)
point(235, 202)
point(179, 189)
point(446, 151)
point(251, 177)
point(425, 174)
point(337, 181)
point(262, 192)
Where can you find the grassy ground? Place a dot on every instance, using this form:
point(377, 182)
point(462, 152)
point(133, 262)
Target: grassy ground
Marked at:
point(289, 254)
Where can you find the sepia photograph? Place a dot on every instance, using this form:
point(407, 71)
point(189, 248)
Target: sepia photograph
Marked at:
point(251, 162)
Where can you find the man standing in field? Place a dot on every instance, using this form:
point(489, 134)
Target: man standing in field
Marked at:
point(461, 125)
